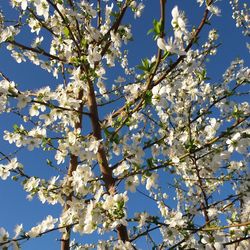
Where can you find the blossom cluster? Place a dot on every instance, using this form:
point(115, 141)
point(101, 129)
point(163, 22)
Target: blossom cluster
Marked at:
point(241, 16)
point(163, 130)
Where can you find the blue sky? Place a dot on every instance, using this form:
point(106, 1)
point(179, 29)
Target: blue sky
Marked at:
point(15, 209)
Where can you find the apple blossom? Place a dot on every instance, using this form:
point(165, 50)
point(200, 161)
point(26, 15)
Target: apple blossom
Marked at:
point(154, 151)
point(4, 235)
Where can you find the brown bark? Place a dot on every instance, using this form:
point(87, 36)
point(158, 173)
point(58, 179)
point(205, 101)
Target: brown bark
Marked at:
point(108, 179)
point(72, 167)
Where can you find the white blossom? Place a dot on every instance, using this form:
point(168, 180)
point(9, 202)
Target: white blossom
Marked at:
point(4, 235)
point(47, 224)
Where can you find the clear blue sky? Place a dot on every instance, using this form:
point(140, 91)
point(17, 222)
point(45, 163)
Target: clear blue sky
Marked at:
point(15, 209)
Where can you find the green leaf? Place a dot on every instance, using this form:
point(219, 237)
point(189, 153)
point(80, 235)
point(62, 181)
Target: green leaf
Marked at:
point(116, 139)
point(157, 29)
point(207, 22)
point(15, 127)
point(106, 132)
point(44, 142)
point(166, 54)
point(49, 162)
point(14, 178)
point(150, 162)
point(150, 31)
point(120, 204)
point(145, 65)
point(66, 32)
point(148, 97)
point(119, 119)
